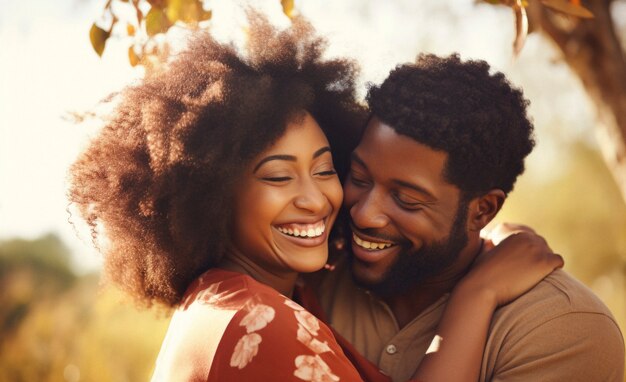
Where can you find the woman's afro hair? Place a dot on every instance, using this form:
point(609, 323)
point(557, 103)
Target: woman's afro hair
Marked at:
point(157, 181)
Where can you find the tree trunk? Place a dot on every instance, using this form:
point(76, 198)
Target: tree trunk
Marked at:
point(592, 50)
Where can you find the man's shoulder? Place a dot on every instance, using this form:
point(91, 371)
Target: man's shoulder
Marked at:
point(556, 295)
point(550, 312)
point(558, 330)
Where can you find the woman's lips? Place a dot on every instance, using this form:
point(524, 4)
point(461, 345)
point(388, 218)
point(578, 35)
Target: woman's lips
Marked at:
point(304, 234)
point(310, 230)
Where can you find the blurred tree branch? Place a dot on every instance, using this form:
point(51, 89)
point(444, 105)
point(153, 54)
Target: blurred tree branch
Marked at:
point(143, 20)
point(583, 31)
point(593, 51)
point(585, 34)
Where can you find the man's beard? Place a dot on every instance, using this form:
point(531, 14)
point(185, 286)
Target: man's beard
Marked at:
point(413, 267)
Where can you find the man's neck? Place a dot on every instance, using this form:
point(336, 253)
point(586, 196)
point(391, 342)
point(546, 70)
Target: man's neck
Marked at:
point(410, 304)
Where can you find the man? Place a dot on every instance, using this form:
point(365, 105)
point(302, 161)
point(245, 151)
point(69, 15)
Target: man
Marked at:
point(443, 148)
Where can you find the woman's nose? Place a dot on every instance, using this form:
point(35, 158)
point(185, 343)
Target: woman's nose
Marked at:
point(310, 198)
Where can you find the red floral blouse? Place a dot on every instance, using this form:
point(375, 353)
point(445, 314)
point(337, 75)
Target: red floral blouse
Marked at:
point(232, 328)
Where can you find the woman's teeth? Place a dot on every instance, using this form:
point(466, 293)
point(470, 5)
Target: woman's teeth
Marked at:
point(303, 230)
point(368, 244)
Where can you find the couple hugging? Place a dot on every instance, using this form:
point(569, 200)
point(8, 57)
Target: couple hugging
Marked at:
point(303, 236)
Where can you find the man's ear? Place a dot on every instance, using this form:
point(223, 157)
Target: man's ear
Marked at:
point(482, 209)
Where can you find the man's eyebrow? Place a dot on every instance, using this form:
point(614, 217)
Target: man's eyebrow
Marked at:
point(355, 157)
point(290, 158)
point(414, 187)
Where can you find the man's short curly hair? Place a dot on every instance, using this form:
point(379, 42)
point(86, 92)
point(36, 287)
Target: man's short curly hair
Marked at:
point(157, 181)
point(479, 119)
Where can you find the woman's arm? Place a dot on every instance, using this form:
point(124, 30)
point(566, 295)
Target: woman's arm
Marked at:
point(499, 276)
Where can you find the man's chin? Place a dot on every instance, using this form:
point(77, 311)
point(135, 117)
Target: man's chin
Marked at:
point(364, 275)
point(367, 277)
point(406, 272)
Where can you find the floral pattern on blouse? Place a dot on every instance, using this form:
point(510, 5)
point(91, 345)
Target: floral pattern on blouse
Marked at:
point(314, 369)
point(258, 318)
point(247, 347)
point(307, 367)
point(310, 368)
point(253, 333)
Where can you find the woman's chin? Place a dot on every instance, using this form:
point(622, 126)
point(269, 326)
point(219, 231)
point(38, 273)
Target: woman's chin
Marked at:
point(309, 262)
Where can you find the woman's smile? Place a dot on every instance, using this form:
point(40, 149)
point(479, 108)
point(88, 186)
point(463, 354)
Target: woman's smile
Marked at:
point(304, 234)
point(303, 229)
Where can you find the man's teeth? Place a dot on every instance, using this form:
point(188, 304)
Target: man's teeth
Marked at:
point(304, 230)
point(368, 244)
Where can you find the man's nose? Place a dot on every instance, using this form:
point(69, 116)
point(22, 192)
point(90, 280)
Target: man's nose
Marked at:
point(367, 212)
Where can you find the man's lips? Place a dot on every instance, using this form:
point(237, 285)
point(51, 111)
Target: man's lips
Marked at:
point(369, 249)
point(369, 244)
point(380, 240)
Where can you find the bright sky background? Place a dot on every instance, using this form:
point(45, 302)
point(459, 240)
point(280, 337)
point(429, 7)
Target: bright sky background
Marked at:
point(48, 68)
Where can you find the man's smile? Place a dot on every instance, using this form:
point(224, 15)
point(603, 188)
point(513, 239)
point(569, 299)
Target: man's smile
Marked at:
point(371, 245)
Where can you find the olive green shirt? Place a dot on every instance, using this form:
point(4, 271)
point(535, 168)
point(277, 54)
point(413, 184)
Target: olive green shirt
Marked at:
point(558, 331)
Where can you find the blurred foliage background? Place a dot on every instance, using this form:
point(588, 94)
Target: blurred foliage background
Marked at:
point(59, 326)
point(58, 323)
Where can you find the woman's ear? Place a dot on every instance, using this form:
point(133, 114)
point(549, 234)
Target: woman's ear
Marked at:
point(484, 208)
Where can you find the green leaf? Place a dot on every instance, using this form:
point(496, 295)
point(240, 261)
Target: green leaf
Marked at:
point(133, 57)
point(98, 37)
point(156, 22)
point(287, 7)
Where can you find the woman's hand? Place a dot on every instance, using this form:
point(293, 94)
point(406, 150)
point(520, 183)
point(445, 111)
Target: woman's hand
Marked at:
point(515, 259)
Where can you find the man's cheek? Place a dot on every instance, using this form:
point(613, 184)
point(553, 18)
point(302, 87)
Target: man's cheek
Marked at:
point(350, 197)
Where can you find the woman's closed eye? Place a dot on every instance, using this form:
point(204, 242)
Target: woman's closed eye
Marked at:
point(276, 178)
point(329, 172)
point(276, 175)
point(323, 166)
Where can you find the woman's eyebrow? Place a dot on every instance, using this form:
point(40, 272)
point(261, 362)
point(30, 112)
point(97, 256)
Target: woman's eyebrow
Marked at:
point(321, 151)
point(290, 158)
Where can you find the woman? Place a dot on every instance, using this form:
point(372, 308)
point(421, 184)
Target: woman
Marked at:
point(215, 186)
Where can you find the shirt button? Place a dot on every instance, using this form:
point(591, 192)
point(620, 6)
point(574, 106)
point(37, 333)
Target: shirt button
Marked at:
point(391, 349)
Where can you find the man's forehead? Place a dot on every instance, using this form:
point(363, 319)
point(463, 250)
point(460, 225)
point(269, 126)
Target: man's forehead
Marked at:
point(388, 142)
point(398, 158)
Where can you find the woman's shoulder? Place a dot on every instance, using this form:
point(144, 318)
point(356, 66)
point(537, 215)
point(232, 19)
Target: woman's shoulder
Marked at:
point(274, 338)
point(253, 305)
point(227, 290)
point(203, 320)
point(270, 336)
point(232, 327)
